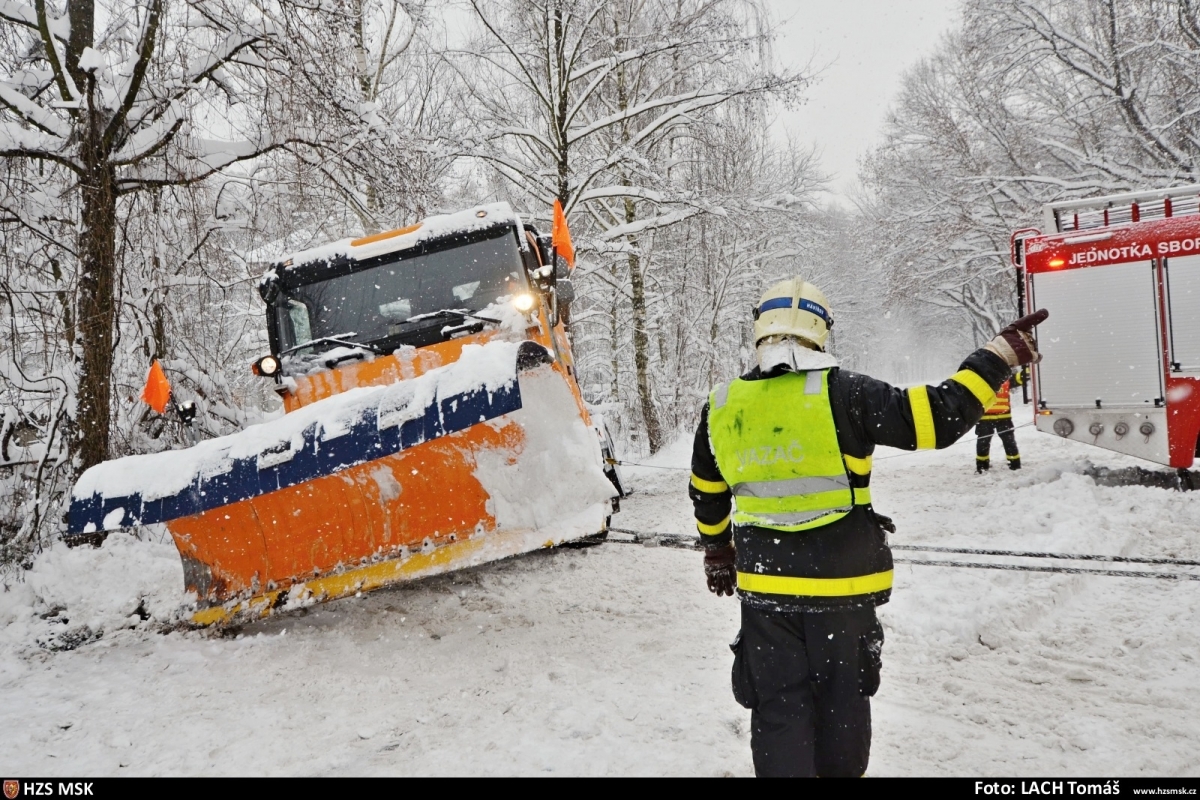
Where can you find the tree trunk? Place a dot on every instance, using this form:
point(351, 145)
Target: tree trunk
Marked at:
point(97, 288)
point(641, 354)
point(637, 284)
point(562, 82)
point(641, 340)
point(614, 334)
point(366, 90)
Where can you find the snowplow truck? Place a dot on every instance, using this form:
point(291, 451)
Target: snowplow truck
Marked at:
point(1120, 276)
point(433, 422)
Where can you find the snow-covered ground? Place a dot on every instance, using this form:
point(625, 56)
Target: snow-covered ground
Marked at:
point(613, 660)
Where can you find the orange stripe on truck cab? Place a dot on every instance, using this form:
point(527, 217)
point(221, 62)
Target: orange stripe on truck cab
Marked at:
point(379, 237)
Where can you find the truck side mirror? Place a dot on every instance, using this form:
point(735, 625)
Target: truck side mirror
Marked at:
point(268, 289)
point(545, 248)
point(565, 290)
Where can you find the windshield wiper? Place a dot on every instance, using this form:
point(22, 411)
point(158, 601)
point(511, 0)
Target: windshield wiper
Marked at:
point(451, 312)
point(341, 338)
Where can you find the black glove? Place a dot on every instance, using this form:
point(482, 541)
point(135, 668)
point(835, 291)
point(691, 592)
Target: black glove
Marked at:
point(884, 522)
point(1015, 344)
point(719, 569)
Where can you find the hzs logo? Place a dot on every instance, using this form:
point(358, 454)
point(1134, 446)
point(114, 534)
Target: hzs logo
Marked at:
point(46, 789)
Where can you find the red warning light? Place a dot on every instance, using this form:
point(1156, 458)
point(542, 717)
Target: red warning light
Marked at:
point(1057, 262)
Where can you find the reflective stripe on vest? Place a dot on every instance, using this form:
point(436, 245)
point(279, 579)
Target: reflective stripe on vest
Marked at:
point(1002, 404)
point(776, 446)
point(790, 486)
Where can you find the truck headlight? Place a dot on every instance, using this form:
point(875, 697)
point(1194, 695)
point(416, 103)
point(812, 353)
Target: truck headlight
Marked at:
point(266, 366)
point(523, 302)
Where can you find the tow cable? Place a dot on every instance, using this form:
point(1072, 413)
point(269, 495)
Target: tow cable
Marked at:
point(964, 440)
point(683, 541)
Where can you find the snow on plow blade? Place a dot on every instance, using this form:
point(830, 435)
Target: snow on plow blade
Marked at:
point(480, 459)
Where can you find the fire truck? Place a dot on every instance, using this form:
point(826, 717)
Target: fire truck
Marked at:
point(1120, 276)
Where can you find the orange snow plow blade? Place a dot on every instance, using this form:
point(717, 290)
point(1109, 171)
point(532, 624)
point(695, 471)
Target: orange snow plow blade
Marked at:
point(445, 499)
point(439, 426)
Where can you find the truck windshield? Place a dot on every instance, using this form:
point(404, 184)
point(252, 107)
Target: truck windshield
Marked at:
point(384, 304)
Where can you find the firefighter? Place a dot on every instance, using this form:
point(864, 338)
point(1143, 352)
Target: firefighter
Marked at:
point(792, 440)
point(998, 419)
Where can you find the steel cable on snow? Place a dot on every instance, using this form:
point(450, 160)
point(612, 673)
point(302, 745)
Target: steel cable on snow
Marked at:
point(1066, 556)
point(685, 542)
point(1174, 576)
point(636, 464)
point(880, 458)
point(679, 540)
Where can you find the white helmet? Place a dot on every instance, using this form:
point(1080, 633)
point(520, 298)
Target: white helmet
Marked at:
point(793, 308)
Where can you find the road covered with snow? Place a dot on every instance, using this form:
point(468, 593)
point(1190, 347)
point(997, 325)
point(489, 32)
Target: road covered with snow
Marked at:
point(612, 660)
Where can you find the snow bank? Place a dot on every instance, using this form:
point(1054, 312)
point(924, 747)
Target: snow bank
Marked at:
point(669, 468)
point(75, 595)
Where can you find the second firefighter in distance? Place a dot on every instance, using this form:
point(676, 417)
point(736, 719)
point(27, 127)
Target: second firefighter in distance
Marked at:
point(997, 419)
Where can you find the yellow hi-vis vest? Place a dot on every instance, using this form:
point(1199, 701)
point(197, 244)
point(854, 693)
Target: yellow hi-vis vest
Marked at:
point(776, 446)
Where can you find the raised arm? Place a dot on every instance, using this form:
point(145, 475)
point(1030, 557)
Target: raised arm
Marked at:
point(928, 417)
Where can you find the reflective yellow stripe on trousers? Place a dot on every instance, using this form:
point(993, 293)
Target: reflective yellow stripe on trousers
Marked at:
point(814, 587)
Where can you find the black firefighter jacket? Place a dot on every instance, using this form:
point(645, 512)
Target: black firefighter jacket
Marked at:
point(866, 412)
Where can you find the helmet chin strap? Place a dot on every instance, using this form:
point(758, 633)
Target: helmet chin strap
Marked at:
point(792, 354)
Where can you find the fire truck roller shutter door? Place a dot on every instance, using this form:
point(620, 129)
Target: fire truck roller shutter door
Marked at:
point(1101, 341)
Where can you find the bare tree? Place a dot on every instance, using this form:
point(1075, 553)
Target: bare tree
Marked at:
point(1031, 101)
point(590, 102)
point(111, 114)
point(154, 156)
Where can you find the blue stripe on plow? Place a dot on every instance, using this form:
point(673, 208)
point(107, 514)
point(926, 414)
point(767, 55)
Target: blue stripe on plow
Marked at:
point(315, 459)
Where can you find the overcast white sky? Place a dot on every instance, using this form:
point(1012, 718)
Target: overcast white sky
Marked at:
point(865, 45)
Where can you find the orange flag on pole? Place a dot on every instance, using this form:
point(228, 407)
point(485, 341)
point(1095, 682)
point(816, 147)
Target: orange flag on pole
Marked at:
point(560, 235)
point(157, 391)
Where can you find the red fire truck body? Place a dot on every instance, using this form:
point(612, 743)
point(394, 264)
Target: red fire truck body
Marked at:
point(1120, 276)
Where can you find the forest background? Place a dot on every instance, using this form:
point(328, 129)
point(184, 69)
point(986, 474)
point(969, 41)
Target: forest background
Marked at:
point(157, 155)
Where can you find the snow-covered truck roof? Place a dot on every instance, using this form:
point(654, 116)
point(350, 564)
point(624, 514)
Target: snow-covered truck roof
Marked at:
point(436, 228)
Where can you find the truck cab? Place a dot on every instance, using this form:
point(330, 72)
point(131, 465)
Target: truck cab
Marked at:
point(368, 311)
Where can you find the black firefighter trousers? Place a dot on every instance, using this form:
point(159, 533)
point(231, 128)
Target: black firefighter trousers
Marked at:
point(809, 678)
point(1008, 437)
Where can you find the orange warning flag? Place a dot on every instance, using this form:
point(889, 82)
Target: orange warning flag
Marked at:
point(560, 235)
point(157, 391)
